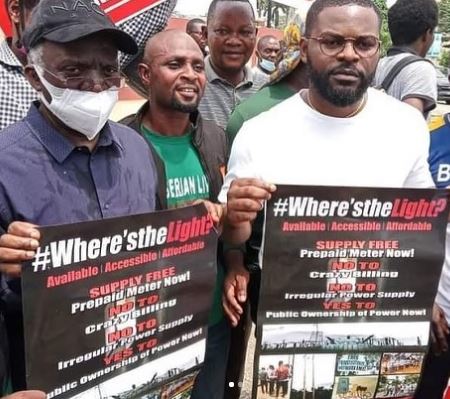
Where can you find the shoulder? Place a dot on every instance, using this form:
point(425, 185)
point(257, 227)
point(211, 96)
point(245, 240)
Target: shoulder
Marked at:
point(16, 135)
point(127, 136)
point(213, 134)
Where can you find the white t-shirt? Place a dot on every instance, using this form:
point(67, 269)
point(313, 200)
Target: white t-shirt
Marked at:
point(385, 145)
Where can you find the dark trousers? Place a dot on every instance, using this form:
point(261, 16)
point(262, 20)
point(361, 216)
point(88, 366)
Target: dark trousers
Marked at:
point(283, 385)
point(435, 375)
point(264, 386)
point(271, 387)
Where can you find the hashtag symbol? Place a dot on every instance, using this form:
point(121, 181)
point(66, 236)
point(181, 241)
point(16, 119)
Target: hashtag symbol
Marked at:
point(41, 259)
point(280, 207)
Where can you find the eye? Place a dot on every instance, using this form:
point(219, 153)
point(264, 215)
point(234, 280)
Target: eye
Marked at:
point(221, 32)
point(246, 33)
point(173, 65)
point(332, 42)
point(365, 43)
point(111, 70)
point(199, 67)
point(72, 71)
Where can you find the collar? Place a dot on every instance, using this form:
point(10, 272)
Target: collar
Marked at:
point(55, 143)
point(395, 50)
point(212, 76)
point(7, 56)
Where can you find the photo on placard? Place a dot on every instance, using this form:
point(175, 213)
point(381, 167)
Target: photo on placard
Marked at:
point(141, 381)
point(397, 386)
point(354, 387)
point(313, 376)
point(358, 364)
point(402, 363)
point(330, 337)
point(275, 376)
point(179, 389)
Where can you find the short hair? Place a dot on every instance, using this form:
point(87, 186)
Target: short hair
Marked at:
point(214, 3)
point(410, 19)
point(192, 22)
point(264, 39)
point(319, 5)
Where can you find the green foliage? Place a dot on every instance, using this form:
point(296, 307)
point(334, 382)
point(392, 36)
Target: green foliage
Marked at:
point(384, 34)
point(444, 59)
point(444, 16)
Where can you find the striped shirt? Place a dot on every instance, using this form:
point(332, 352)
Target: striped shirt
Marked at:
point(221, 97)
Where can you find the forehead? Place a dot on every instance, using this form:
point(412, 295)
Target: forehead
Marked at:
point(348, 20)
point(92, 48)
point(228, 12)
point(271, 43)
point(174, 47)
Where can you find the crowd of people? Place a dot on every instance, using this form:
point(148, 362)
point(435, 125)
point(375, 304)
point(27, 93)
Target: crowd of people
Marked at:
point(318, 109)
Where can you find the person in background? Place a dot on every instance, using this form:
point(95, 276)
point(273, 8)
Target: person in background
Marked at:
point(411, 24)
point(268, 53)
point(195, 28)
point(185, 148)
point(231, 35)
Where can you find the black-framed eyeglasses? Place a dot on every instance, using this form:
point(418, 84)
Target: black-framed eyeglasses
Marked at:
point(114, 82)
point(332, 45)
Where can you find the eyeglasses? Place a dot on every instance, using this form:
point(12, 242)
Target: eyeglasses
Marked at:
point(114, 82)
point(332, 45)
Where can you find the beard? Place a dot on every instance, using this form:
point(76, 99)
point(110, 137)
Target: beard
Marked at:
point(187, 108)
point(340, 96)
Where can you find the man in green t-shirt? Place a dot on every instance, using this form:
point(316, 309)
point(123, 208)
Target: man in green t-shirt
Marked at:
point(190, 156)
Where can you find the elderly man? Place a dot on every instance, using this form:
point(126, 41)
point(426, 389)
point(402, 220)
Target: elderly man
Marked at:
point(231, 33)
point(268, 53)
point(75, 165)
point(185, 148)
point(194, 28)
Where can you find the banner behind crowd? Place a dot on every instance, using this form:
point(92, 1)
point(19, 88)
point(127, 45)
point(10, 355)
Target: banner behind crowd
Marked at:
point(348, 284)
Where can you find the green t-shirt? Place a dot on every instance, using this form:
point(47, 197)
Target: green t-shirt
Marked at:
point(186, 182)
point(259, 102)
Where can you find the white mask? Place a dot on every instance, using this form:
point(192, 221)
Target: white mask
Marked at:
point(83, 111)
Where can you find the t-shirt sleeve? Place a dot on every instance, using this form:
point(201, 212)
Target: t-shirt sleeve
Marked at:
point(241, 162)
point(234, 124)
point(419, 80)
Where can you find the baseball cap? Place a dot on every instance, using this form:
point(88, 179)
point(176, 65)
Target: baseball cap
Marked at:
point(64, 21)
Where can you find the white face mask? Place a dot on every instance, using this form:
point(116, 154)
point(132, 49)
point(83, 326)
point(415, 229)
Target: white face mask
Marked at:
point(83, 111)
point(267, 65)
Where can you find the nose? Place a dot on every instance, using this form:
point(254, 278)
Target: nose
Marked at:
point(189, 72)
point(348, 53)
point(96, 81)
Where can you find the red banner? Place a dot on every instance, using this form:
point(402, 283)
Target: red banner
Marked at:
point(118, 10)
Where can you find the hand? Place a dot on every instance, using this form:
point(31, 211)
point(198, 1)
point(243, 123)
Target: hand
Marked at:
point(235, 288)
point(439, 331)
point(26, 395)
point(214, 210)
point(18, 245)
point(245, 198)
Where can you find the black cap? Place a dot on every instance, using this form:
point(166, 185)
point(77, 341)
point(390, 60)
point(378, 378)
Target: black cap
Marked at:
point(63, 21)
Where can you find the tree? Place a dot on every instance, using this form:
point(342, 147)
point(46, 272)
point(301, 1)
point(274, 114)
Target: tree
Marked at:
point(444, 16)
point(384, 34)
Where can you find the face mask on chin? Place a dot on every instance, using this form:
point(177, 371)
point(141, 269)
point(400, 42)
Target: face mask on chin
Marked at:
point(267, 65)
point(86, 112)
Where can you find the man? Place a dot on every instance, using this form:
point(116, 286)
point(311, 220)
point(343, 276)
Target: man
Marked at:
point(411, 24)
point(16, 93)
point(336, 117)
point(282, 373)
point(436, 371)
point(231, 34)
point(268, 52)
point(78, 165)
point(186, 149)
point(195, 28)
point(262, 375)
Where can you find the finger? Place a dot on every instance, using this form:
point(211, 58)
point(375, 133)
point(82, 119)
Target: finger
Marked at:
point(253, 182)
point(441, 338)
point(26, 395)
point(24, 229)
point(11, 269)
point(230, 296)
point(18, 242)
point(241, 217)
point(244, 204)
point(249, 192)
point(8, 255)
point(232, 316)
point(241, 288)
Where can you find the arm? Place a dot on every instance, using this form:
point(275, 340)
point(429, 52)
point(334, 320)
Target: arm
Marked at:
point(26, 395)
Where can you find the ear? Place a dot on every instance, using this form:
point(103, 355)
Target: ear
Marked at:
point(14, 11)
point(33, 78)
point(304, 50)
point(145, 74)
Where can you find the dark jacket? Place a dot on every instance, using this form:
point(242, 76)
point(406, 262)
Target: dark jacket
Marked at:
point(209, 140)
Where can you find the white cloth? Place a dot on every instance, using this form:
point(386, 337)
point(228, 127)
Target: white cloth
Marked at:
point(385, 145)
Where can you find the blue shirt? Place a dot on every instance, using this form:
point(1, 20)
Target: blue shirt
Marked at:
point(439, 158)
point(45, 179)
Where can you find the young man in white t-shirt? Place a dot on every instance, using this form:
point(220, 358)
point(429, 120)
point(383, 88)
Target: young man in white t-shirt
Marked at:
point(337, 133)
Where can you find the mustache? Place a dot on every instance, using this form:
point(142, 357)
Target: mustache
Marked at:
point(346, 70)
